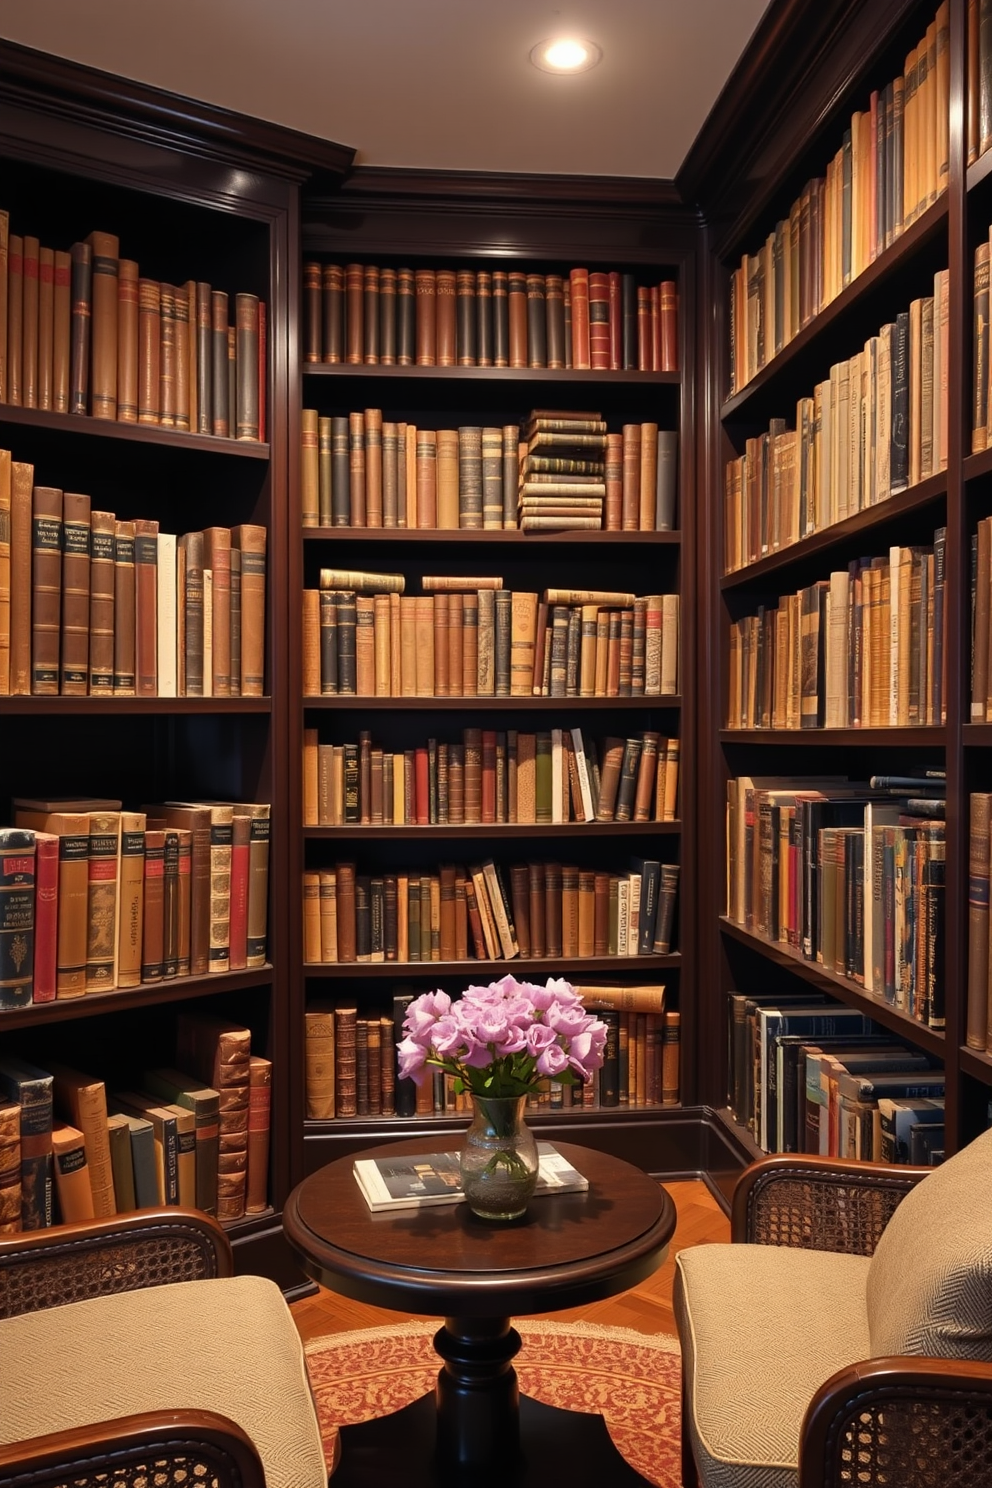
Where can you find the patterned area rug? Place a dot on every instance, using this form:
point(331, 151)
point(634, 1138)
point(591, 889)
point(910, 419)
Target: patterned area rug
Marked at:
point(630, 1378)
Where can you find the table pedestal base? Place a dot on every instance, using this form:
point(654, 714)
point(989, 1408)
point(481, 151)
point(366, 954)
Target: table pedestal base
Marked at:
point(556, 1445)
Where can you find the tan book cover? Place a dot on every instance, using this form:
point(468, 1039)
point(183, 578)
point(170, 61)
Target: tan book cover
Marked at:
point(130, 898)
point(127, 341)
point(327, 923)
point(21, 551)
point(102, 900)
point(101, 604)
point(72, 830)
point(219, 1053)
point(83, 1099)
point(72, 1174)
point(447, 479)
point(259, 1133)
point(250, 540)
point(4, 260)
point(311, 917)
point(217, 558)
point(61, 331)
point(523, 635)
point(365, 645)
point(74, 662)
point(29, 322)
point(46, 325)
point(164, 1119)
point(46, 589)
point(319, 1063)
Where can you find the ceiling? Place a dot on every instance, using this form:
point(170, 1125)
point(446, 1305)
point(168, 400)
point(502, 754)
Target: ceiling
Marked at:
point(434, 84)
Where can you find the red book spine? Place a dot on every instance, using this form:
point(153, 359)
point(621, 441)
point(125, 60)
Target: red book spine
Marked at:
point(488, 775)
point(599, 321)
point(46, 915)
point(421, 788)
point(616, 322)
point(579, 286)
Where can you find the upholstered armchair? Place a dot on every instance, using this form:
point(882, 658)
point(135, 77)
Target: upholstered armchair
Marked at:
point(844, 1337)
point(131, 1355)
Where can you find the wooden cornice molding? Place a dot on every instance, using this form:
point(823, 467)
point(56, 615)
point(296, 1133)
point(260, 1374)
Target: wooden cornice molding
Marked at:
point(799, 63)
point(56, 86)
point(518, 188)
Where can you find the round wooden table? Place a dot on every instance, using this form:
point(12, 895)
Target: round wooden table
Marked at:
point(567, 1250)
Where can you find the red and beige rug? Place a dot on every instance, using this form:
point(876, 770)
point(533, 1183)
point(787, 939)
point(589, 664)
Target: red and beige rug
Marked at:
point(629, 1378)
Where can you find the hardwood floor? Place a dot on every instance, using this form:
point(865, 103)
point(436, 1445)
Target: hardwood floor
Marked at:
point(647, 1308)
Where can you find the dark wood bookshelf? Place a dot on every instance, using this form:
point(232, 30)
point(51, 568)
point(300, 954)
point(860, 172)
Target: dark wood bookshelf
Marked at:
point(170, 706)
point(910, 738)
point(976, 1064)
point(139, 434)
point(148, 994)
point(440, 537)
point(468, 704)
point(527, 376)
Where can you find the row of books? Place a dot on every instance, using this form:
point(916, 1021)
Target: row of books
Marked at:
point(73, 1146)
point(489, 912)
point(979, 83)
point(438, 317)
point(808, 1075)
point(492, 776)
point(351, 1065)
point(876, 425)
point(359, 470)
point(92, 605)
point(892, 164)
point(862, 649)
point(82, 332)
point(474, 640)
point(848, 877)
point(96, 898)
point(979, 998)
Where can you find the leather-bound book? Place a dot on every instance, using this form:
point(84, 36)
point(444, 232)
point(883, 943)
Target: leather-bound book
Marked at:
point(146, 606)
point(599, 321)
point(238, 946)
point(61, 330)
point(217, 561)
point(373, 467)
point(10, 1168)
point(46, 915)
point(105, 251)
point(538, 910)
point(466, 343)
point(346, 1059)
point(246, 328)
point(74, 664)
point(218, 318)
point(501, 318)
point(517, 313)
point(669, 307)
point(370, 315)
point(249, 539)
point(46, 590)
point(4, 298)
point(426, 478)
point(46, 325)
point(340, 515)
point(511, 467)
point(445, 289)
point(648, 477)
point(73, 1189)
point(356, 469)
point(168, 377)
point(30, 1090)
point(84, 1099)
point(125, 605)
point(537, 323)
point(483, 318)
point(553, 928)
point(5, 523)
point(313, 317)
point(15, 320)
point(655, 295)
point(631, 481)
point(219, 1053)
point(81, 291)
point(17, 916)
point(103, 854)
point(448, 457)
point(259, 1132)
point(130, 898)
point(665, 920)
point(628, 313)
point(365, 645)
point(470, 477)
point(492, 479)
point(263, 371)
point(332, 279)
point(470, 644)
point(644, 339)
point(671, 1038)
point(235, 618)
point(387, 317)
point(309, 469)
point(170, 905)
point(153, 913)
point(29, 322)
point(579, 300)
point(175, 1087)
point(390, 473)
point(190, 601)
point(616, 321)
point(425, 284)
point(587, 912)
point(319, 1063)
point(150, 352)
point(127, 341)
point(569, 911)
point(354, 313)
point(667, 481)
point(554, 295)
point(406, 318)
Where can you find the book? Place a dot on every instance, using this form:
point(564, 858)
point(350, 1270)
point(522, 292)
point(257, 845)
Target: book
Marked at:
point(420, 1180)
point(29, 1088)
point(175, 1088)
point(72, 1176)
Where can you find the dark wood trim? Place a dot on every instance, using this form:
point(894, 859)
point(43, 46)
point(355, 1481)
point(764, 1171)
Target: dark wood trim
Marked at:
point(149, 994)
point(889, 738)
point(33, 79)
point(526, 966)
point(492, 704)
point(442, 537)
point(140, 434)
point(116, 706)
point(495, 830)
point(396, 184)
point(452, 376)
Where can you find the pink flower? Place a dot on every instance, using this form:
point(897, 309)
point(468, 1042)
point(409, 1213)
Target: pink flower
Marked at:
point(552, 1060)
point(412, 1061)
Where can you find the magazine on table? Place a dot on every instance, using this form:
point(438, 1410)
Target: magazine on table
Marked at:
point(425, 1178)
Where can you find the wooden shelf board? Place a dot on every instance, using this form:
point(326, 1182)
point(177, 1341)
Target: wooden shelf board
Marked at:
point(908, 738)
point(354, 832)
point(496, 375)
point(168, 706)
point(492, 537)
point(573, 969)
point(80, 423)
point(976, 1064)
point(149, 994)
point(924, 494)
point(487, 704)
point(841, 988)
point(442, 1121)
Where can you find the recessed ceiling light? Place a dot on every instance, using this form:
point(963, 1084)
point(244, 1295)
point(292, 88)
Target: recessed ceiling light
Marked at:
point(566, 54)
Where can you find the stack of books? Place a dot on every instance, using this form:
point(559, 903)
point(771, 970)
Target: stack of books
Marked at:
point(563, 473)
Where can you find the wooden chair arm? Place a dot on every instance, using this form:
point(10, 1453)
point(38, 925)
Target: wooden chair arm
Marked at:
point(917, 1422)
point(171, 1449)
point(147, 1247)
point(818, 1203)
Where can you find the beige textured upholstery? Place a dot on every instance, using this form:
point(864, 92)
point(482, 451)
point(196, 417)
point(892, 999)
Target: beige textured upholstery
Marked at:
point(930, 1282)
point(189, 1345)
point(771, 1326)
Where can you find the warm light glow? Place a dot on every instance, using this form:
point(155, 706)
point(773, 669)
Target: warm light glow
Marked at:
point(566, 54)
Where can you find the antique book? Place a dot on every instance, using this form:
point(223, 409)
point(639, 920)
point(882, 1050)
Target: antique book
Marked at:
point(72, 829)
point(415, 1182)
point(83, 1098)
point(173, 1087)
point(319, 1062)
point(121, 1161)
point(17, 916)
point(164, 1122)
point(105, 251)
point(219, 1052)
point(73, 1189)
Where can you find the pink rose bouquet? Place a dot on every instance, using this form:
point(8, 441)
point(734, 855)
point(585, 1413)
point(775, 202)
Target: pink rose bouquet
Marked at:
point(503, 1039)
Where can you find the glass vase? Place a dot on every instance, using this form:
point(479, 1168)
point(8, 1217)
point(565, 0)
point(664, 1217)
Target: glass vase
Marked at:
point(499, 1159)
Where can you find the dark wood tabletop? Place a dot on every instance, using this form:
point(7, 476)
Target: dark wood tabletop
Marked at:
point(567, 1250)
